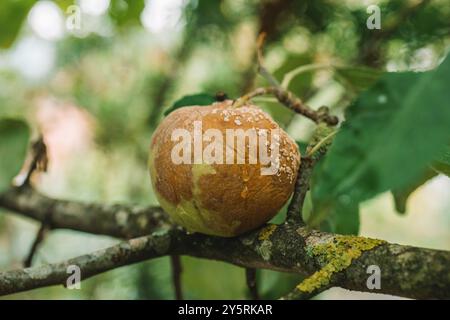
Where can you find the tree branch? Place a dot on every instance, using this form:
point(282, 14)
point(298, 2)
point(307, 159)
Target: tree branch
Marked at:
point(301, 295)
point(40, 236)
point(175, 261)
point(90, 264)
point(262, 70)
point(316, 149)
point(288, 99)
point(121, 221)
point(252, 284)
point(325, 258)
point(294, 210)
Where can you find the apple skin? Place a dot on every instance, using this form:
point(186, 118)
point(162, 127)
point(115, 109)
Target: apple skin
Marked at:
point(220, 199)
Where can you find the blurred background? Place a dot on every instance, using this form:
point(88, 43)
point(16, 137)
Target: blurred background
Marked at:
point(95, 76)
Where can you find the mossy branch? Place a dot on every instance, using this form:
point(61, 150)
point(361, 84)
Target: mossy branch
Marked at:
point(121, 221)
point(406, 271)
point(125, 253)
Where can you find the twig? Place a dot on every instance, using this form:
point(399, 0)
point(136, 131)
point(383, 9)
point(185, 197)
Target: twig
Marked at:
point(320, 144)
point(288, 99)
point(250, 276)
point(46, 226)
point(316, 149)
point(266, 99)
point(221, 96)
point(320, 141)
point(261, 67)
point(294, 211)
point(40, 236)
point(175, 262)
point(36, 160)
point(288, 77)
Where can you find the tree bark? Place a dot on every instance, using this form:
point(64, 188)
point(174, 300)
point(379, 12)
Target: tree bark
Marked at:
point(325, 259)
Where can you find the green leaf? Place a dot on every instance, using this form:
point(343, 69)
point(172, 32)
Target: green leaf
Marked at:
point(357, 78)
point(442, 162)
point(343, 220)
point(443, 168)
point(340, 217)
point(14, 136)
point(392, 132)
point(12, 15)
point(401, 195)
point(200, 99)
point(302, 146)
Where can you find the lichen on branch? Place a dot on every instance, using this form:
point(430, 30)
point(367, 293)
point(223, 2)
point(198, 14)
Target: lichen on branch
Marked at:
point(290, 247)
point(335, 256)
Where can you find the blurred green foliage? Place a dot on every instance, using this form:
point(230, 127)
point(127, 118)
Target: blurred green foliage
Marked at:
point(126, 12)
point(14, 135)
point(12, 13)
